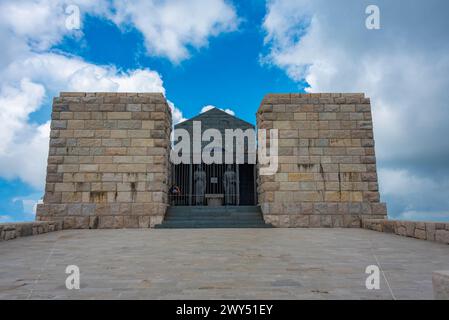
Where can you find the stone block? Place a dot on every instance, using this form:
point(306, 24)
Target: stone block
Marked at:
point(131, 221)
point(402, 231)
point(74, 209)
point(293, 177)
point(337, 221)
point(144, 221)
point(440, 282)
point(106, 222)
point(315, 221)
point(88, 209)
point(430, 231)
point(93, 222)
point(420, 234)
point(81, 223)
point(154, 220)
point(271, 219)
point(110, 222)
point(442, 236)
point(284, 221)
point(299, 221)
point(119, 115)
point(388, 226)
point(352, 167)
point(410, 228)
point(69, 222)
point(326, 221)
point(351, 221)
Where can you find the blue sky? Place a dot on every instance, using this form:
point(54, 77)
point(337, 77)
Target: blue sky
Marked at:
point(230, 54)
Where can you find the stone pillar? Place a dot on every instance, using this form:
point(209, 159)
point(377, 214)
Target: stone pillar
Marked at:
point(108, 163)
point(327, 173)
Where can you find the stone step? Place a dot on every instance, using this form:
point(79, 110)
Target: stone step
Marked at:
point(200, 209)
point(208, 224)
point(217, 219)
point(209, 218)
point(213, 217)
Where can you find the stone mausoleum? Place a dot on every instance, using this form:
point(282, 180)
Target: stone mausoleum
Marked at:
point(109, 165)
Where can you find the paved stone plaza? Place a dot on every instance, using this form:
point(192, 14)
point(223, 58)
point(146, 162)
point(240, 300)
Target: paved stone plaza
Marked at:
point(219, 264)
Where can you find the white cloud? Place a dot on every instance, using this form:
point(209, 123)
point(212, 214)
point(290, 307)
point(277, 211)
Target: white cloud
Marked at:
point(39, 24)
point(29, 204)
point(23, 146)
point(402, 67)
point(176, 113)
point(171, 28)
point(27, 98)
point(30, 76)
point(413, 193)
point(59, 72)
point(23, 87)
point(401, 182)
point(209, 107)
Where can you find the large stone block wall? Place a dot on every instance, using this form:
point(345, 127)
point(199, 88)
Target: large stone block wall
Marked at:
point(108, 161)
point(327, 167)
point(12, 230)
point(431, 231)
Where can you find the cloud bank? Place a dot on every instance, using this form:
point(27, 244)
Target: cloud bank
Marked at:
point(172, 28)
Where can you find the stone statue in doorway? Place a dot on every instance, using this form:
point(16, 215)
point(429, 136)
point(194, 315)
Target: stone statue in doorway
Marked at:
point(229, 183)
point(199, 178)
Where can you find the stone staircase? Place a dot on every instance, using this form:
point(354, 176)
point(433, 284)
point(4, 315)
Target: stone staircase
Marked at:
point(179, 217)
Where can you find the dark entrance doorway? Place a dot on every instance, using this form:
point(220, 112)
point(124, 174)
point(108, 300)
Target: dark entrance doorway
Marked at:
point(219, 183)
